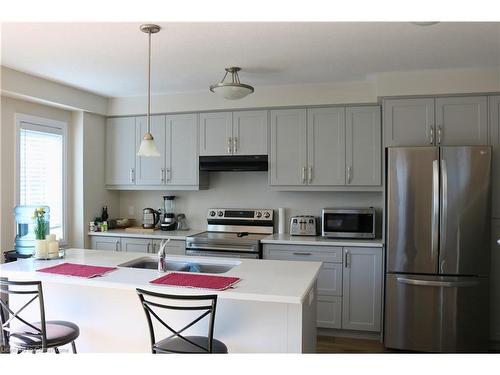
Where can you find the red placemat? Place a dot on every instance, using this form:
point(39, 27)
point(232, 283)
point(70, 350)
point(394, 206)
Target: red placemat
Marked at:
point(188, 280)
point(80, 270)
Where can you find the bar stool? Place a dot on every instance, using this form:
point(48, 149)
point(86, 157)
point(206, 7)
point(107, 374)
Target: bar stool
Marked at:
point(40, 335)
point(178, 343)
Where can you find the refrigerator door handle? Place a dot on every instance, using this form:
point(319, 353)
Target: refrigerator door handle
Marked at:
point(435, 208)
point(440, 284)
point(444, 202)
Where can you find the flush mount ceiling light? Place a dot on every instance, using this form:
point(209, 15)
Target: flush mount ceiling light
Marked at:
point(427, 23)
point(148, 147)
point(234, 89)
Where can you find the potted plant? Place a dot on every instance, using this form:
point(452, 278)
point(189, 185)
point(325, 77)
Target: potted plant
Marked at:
point(41, 228)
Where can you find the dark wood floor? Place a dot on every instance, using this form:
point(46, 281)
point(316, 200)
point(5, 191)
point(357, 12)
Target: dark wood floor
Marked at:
point(328, 344)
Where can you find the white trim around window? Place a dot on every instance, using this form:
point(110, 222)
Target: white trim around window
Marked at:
point(24, 121)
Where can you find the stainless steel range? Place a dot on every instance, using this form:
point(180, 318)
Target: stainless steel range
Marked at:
point(232, 232)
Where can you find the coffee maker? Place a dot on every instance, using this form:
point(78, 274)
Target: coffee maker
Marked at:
point(169, 221)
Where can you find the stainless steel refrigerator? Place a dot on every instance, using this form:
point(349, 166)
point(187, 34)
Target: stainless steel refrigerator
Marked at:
point(438, 221)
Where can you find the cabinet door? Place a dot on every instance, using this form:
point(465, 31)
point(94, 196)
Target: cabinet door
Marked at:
point(495, 142)
point(250, 133)
point(105, 243)
point(462, 121)
point(409, 122)
point(329, 312)
point(120, 151)
point(151, 170)
point(137, 245)
point(182, 152)
point(495, 281)
point(288, 156)
point(216, 133)
point(363, 146)
point(326, 146)
point(362, 289)
point(174, 247)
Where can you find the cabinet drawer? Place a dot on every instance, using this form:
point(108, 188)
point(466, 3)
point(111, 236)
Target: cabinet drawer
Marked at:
point(105, 243)
point(136, 245)
point(329, 312)
point(174, 247)
point(329, 254)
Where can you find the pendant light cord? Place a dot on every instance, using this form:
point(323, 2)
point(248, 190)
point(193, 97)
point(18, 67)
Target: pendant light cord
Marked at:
point(148, 116)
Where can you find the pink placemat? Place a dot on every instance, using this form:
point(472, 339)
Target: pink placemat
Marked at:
point(80, 270)
point(196, 281)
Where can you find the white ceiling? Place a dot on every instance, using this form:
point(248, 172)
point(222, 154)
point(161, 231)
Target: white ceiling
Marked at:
point(111, 58)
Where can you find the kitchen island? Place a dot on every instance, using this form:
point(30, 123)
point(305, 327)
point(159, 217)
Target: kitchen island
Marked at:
point(271, 310)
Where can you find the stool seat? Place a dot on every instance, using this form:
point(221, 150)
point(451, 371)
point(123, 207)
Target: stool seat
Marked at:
point(59, 333)
point(178, 345)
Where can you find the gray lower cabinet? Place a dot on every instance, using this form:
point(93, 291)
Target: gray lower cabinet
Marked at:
point(349, 294)
point(136, 245)
point(494, 106)
point(495, 282)
point(362, 289)
point(174, 247)
point(105, 243)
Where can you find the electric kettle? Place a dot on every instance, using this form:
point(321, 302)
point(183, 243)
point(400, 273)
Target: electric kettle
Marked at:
point(150, 218)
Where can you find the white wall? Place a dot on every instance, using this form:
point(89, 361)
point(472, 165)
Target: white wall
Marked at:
point(424, 82)
point(243, 190)
point(10, 107)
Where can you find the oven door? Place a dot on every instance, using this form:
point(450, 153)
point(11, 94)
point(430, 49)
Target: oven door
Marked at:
point(348, 223)
point(222, 253)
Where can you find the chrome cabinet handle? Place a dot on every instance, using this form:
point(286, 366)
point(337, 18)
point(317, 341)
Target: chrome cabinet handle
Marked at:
point(162, 175)
point(147, 248)
point(116, 245)
point(345, 260)
point(235, 145)
point(432, 135)
point(132, 175)
point(169, 174)
point(300, 253)
point(309, 174)
point(304, 175)
point(229, 141)
point(349, 170)
point(440, 133)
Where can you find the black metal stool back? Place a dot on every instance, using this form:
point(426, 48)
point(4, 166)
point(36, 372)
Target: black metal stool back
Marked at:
point(208, 306)
point(7, 315)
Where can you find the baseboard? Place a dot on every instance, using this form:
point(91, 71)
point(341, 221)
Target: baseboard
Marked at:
point(350, 334)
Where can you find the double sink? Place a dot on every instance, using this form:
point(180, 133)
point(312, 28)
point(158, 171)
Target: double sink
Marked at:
point(150, 263)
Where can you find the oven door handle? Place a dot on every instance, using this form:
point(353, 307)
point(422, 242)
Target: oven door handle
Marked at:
point(221, 248)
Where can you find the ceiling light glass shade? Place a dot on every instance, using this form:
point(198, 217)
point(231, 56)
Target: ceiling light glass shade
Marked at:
point(148, 147)
point(234, 89)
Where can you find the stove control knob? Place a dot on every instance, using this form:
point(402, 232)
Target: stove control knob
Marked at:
point(258, 214)
point(267, 214)
point(220, 213)
point(212, 213)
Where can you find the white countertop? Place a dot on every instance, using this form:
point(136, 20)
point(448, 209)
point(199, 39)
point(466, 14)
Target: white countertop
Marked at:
point(261, 280)
point(286, 239)
point(157, 234)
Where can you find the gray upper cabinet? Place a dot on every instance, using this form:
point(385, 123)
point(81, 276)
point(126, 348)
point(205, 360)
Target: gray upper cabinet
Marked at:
point(216, 133)
point(249, 133)
point(362, 289)
point(495, 142)
point(288, 156)
point(363, 146)
point(120, 151)
point(181, 162)
point(326, 146)
point(462, 121)
point(151, 170)
point(409, 122)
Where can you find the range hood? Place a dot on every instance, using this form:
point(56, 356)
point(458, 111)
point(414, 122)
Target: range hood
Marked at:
point(233, 163)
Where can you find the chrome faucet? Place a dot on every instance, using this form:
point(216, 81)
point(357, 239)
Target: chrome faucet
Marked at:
point(162, 262)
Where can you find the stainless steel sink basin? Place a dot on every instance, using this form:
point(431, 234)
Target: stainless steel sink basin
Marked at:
point(177, 265)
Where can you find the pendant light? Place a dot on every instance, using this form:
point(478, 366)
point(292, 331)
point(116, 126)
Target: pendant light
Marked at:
point(148, 147)
point(234, 89)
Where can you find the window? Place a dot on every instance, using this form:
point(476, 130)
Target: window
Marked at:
point(41, 168)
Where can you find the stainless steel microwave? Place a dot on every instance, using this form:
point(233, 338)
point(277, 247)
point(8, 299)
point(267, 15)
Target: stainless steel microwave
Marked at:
point(348, 223)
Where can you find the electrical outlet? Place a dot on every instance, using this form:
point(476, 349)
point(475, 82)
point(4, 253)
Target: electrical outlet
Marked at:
point(131, 210)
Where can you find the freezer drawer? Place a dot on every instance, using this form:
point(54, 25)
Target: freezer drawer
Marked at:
point(436, 313)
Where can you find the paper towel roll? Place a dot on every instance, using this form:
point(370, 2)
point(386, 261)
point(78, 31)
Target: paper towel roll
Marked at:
point(281, 220)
